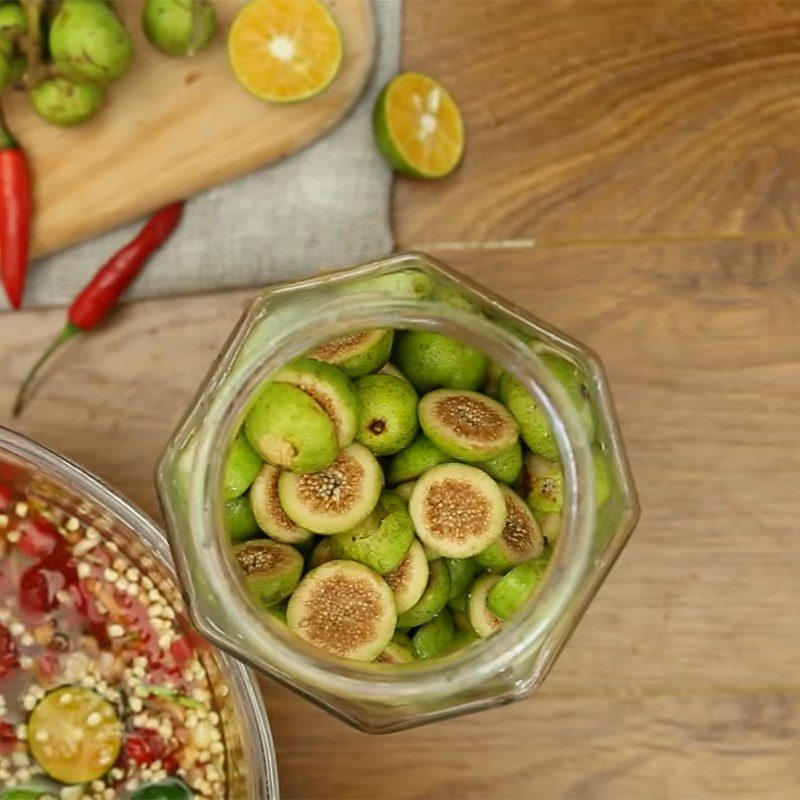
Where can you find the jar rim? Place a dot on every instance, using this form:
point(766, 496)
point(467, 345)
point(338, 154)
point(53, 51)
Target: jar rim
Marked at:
point(474, 665)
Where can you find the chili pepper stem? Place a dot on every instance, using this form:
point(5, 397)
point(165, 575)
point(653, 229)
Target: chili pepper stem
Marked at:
point(6, 139)
point(67, 332)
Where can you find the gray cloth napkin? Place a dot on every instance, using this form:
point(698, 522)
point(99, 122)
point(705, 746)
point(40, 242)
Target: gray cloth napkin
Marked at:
point(326, 205)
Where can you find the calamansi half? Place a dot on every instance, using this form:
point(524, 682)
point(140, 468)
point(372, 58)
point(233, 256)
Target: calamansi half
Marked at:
point(418, 126)
point(74, 734)
point(285, 51)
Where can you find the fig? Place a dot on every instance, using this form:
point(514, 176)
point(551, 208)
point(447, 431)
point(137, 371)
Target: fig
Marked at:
point(435, 637)
point(403, 491)
point(462, 573)
point(457, 510)
point(88, 42)
point(268, 511)
point(543, 483)
point(409, 579)
point(433, 361)
point(344, 608)
point(505, 468)
point(335, 499)
point(432, 600)
point(388, 413)
point(533, 423)
point(510, 591)
point(66, 102)
point(321, 553)
point(241, 467)
point(481, 618)
point(398, 651)
point(239, 520)
point(271, 570)
point(521, 540)
point(179, 27)
point(331, 389)
point(382, 540)
point(413, 460)
point(357, 353)
point(288, 428)
point(467, 425)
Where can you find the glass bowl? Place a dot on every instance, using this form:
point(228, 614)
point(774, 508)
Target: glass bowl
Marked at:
point(30, 469)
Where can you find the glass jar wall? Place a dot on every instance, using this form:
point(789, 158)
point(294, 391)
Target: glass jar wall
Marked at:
point(409, 291)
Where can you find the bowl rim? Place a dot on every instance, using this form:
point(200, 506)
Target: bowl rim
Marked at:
point(242, 680)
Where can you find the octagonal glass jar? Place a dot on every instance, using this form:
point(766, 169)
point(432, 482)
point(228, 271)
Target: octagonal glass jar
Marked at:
point(407, 291)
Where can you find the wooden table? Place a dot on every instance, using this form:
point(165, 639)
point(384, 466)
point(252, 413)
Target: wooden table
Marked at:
point(632, 175)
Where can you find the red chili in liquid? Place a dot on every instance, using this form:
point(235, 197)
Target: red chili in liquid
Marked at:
point(5, 497)
point(8, 737)
point(38, 587)
point(144, 746)
point(39, 538)
point(8, 652)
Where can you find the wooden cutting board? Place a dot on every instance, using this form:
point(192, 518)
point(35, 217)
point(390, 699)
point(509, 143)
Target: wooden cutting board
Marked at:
point(171, 128)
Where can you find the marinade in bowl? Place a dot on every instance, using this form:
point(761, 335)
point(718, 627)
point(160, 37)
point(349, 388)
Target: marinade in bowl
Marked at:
point(106, 690)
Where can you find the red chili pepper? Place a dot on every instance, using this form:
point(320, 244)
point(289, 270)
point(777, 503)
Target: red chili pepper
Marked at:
point(92, 305)
point(8, 652)
point(47, 666)
point(39, 586)
point(180, 650)
point(8, 737)
point(15, 216)
point(143, 746)
point(100, 295)
point(39, 538)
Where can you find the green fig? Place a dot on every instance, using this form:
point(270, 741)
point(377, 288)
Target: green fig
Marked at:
point(66, 102)
point(89, 42)
point(12, 19)
point(179, 27)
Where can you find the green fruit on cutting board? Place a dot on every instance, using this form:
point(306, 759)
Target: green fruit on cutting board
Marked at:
point(179, 27)
point(12, 19)
point(89, 42)
point(66, 102)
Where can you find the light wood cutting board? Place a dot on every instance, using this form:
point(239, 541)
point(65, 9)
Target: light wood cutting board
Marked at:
point(171, 128)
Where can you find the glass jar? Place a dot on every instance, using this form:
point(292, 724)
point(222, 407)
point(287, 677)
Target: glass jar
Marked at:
point(405, 291)
point(32, 471)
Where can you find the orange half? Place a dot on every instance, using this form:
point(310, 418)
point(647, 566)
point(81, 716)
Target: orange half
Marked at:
point(285, 51)
point(418, 126)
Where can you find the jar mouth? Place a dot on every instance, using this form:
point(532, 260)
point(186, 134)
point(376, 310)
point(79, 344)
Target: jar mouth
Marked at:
point(484, 660)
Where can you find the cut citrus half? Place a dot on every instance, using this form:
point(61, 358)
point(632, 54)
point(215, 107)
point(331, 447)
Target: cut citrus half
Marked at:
point(75, 734)
point(285, 51)
point(418, 126)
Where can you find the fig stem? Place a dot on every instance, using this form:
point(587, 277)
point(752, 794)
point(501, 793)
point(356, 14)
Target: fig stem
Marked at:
point(196, 28)
point(32, 43)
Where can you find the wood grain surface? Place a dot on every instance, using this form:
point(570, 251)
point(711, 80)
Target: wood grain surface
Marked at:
point(617, 120)
point(682, 680)
point(173, 127)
